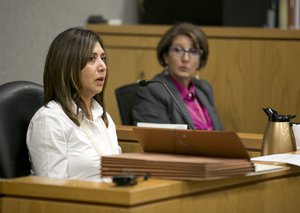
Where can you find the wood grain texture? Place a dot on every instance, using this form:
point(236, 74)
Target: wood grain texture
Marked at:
point(249, 68)
point(1, 194)
point(270, 192)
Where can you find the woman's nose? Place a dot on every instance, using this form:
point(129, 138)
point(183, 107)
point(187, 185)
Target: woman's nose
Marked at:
point(101, 65)
point(186, 56)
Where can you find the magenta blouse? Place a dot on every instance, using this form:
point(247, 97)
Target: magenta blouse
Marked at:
point(196, 110)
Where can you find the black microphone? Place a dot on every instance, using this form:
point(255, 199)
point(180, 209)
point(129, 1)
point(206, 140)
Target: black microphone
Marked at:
point(144, 83)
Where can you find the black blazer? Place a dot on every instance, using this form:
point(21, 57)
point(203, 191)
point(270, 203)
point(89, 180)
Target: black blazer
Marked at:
point(153, 104)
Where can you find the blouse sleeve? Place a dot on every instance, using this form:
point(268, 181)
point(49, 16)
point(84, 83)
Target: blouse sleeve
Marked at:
point(47, 144)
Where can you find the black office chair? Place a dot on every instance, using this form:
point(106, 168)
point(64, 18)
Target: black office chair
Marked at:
point(19, 100)
point(125, 95)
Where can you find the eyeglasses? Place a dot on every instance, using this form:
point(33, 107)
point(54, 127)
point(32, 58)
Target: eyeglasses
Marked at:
point(180, 52)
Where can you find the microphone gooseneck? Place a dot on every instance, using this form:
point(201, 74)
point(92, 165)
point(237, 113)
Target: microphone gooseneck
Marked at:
point(144, 83)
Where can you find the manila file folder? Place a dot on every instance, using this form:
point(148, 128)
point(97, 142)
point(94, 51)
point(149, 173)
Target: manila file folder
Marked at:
point(182, 154)
point(225, 144)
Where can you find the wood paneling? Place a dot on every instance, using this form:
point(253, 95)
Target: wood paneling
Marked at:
point(270, 192)
point(248, 68)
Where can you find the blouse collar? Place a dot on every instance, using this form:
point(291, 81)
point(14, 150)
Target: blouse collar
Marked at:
point(186, 93)
point(97, 109)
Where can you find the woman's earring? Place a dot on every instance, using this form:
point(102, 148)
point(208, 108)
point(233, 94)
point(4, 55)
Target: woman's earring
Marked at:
point(197, 76)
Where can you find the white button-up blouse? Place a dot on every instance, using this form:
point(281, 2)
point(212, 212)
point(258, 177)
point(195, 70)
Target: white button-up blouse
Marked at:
point(59, 148)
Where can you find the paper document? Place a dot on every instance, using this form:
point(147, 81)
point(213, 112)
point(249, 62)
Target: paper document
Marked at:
point(259, 167)
point(296, 130)
point(167, 126)
point(293, 159)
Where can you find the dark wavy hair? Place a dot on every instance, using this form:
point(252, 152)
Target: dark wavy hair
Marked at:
point(67, 56)
point(195, 33)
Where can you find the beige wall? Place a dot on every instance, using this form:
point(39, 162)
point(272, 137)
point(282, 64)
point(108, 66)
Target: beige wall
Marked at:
point(28, 27)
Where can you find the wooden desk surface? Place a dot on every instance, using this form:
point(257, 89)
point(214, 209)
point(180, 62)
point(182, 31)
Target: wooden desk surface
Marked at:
point(261, 191)
point(106, 193)
point(276, 191)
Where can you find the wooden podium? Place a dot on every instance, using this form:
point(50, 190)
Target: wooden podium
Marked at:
point(276, 191)
point(270, 192)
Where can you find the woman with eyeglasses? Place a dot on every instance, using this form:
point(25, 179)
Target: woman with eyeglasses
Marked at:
point(182, 51)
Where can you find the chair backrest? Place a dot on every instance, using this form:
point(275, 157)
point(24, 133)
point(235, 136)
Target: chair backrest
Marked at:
point(19, 100)
point(125, 95)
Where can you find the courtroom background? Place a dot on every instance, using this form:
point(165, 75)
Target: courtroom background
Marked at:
point(248, 68)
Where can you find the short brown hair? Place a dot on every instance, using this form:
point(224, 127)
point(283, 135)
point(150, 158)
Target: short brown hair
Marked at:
point(195, 33)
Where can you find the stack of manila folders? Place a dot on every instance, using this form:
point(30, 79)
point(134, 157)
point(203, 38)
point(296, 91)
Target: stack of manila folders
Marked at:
point(181, 154)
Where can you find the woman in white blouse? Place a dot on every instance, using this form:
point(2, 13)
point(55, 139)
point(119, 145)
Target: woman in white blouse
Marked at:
point(68, 135)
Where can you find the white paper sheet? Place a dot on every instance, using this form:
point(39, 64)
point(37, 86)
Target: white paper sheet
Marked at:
point(293, 159)
point(260, 167)
point(296, 130)
point(167, 126)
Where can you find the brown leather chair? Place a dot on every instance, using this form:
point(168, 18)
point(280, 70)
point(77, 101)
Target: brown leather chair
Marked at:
point(19, 100)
